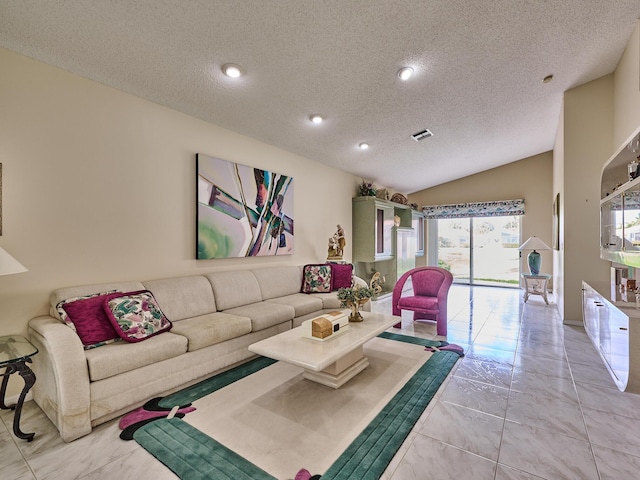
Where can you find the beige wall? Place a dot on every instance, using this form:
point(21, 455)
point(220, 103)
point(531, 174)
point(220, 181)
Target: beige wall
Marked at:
point(99, 185)
point(626, 91)
point(588, 130)
point(530, 179)
point(597, 118)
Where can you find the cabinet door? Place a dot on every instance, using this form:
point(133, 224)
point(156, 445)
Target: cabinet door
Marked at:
point(405, 251)
point(611, 223)
point(417, 223)
point(617, 355)
point(631, 220)
point(591, 305)
point(604, 332)
point(383, 230)
point(372, 222)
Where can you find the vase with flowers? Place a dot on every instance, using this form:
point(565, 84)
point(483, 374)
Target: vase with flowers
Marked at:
point(354, 297)
point(367, 189)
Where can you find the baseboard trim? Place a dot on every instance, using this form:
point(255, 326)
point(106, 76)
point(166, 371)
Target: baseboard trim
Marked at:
point(573, 323)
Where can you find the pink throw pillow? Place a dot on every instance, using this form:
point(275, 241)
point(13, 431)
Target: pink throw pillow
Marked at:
point(90, 320)
point(342, 276)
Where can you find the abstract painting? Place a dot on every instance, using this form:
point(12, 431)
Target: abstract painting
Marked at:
point(242, 211)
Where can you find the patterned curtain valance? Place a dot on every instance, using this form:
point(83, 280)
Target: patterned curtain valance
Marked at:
point(480, 209)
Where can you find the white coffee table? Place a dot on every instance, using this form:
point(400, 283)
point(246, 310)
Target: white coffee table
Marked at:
point(332, 362)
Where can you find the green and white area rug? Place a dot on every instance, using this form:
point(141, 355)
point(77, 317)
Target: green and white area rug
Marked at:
point(262, 420)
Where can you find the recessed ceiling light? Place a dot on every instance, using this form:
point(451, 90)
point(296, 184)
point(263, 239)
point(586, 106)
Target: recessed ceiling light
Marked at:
point(315, 118)
point(547, 79)
point(405, 73)
point(232, 70)
point(363, 146)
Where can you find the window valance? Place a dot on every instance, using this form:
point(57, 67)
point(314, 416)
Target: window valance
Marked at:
point(498, 208)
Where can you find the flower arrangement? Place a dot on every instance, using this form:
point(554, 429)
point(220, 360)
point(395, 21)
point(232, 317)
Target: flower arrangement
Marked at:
point(353, 297)
point(367, 189)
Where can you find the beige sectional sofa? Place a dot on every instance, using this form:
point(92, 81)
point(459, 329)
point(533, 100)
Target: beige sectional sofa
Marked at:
point(215, 317)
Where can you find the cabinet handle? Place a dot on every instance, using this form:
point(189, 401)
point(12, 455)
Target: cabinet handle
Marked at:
point(624, 328)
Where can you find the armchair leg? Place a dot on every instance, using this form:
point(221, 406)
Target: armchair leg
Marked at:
point(441, 328)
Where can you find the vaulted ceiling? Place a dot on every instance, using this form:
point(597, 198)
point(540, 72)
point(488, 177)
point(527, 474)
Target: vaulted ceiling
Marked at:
point(477, 83)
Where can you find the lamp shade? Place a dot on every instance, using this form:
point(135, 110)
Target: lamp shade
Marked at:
point(534, 243)
point(9, 265)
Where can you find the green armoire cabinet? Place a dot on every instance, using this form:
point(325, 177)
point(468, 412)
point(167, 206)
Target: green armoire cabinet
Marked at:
point(386, 238)
point(372, 221)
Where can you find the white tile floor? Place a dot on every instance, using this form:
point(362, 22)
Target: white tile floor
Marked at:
point(530, 400)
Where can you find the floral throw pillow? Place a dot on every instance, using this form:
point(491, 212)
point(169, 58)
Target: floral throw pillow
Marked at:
point(135, 316)
point(316, 278)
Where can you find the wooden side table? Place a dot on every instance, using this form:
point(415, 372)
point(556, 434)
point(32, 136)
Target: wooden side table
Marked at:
point(536, 285)
point(15, 353)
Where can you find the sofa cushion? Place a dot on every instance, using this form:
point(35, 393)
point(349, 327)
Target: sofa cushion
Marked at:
point(135, 316)
point(264, 314)
point(90, 321)
point(120, 357)
point(183, 297)
point(316, 278)
point(301, 303)
point(278, 281)
point(235, 288)
point(330, 300)
point(211, 328)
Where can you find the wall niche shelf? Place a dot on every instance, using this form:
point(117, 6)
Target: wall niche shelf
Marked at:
point(614, 172)
point(613, 326)
point(620, 208)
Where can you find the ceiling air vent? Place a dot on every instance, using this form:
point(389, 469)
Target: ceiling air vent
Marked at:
point(426, 133)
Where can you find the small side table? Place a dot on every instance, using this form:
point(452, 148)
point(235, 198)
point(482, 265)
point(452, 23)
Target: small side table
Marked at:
point(15, 353)
point(536, 285)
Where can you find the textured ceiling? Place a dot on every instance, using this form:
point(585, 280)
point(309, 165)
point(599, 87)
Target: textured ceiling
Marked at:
point(477, 85)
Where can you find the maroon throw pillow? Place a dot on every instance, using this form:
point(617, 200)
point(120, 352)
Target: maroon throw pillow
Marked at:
point(342, 275)
point(91, 321)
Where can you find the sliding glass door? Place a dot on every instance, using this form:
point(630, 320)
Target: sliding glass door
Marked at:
point(480, 250)
point(454, 247)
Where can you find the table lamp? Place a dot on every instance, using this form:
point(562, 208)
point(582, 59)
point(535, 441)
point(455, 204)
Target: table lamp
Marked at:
point(533, 259)
point(9, 265)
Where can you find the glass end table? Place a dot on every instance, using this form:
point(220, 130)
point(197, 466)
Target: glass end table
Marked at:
point(15, 353)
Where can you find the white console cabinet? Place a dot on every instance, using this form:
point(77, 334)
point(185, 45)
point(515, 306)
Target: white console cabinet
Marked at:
point(614, 329)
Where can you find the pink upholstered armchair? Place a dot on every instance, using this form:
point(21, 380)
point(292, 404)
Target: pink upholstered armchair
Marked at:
point(429, 300)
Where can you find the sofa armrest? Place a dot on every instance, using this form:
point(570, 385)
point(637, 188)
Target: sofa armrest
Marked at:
point(62, 377)
point(358, 281)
